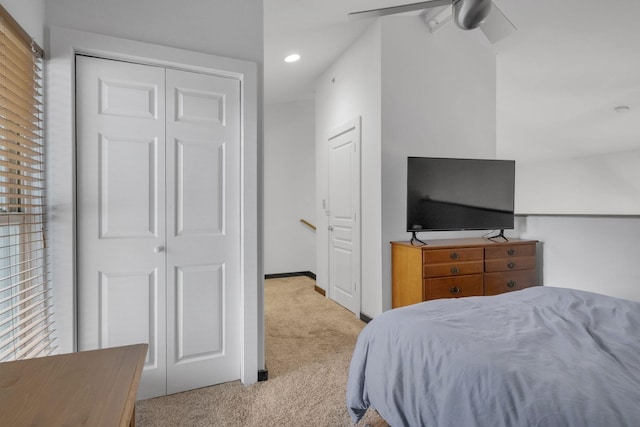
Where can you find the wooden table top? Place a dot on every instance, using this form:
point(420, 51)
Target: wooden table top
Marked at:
point(89, 388)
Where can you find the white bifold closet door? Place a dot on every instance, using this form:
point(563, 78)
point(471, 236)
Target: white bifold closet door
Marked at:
point(158, 219)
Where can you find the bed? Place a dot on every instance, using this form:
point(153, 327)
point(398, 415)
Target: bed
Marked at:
point(542, 356)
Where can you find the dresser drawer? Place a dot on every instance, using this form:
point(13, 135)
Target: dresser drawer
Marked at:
point(498, 283)
point(450, 287)
point(510, 264)
point(453, 268)
point(452, 255)
point(509, 251)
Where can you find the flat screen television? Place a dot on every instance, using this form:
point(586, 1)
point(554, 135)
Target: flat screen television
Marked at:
point(459, 194)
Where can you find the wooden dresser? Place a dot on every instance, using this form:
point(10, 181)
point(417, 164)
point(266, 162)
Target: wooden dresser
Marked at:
point(460, 268)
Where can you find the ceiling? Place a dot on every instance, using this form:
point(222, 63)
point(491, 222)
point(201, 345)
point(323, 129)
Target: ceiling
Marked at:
point(571, 63)
point(318, 30)
point(568, 66)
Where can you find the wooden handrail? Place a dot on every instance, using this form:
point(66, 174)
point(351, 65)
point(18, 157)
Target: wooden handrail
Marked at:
point(308, 224)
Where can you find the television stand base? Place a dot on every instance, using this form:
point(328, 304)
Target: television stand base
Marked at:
point(414, 238)
point(499, 236)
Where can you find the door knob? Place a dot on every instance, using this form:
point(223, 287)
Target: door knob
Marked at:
point(331, 228)
point(158, 249)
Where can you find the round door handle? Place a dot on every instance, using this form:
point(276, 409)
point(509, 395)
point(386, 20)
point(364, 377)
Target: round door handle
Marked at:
point(158, 249)
point(511, 265)
point(511, 252)
point(455, 270)
point(455, 290)
point(511, 283)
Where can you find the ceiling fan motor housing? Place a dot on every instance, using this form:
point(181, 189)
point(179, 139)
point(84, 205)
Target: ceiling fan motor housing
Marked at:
point(470, 14)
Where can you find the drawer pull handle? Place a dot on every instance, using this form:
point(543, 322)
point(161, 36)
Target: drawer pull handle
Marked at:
point(511, 284)
point(454, 270)
point(511, 265)
point(511, 252)
point(454, 255)
point(455, 290)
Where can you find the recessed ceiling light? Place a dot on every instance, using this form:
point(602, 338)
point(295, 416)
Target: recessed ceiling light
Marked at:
point(292, 58)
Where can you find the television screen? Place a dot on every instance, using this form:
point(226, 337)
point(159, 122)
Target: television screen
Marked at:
point(459, 194)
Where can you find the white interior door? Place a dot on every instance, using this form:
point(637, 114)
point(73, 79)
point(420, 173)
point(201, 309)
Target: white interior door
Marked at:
point(121, 211)
point(158, 210)
point(203, 230)
point(344, 213)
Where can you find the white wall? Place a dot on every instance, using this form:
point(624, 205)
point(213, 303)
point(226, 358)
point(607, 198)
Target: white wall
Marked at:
point(30, 16)
point(289, 187)
point(591, 253)
point(435, 97)
point(580, 185)
point(350, 88)
point(438, 99)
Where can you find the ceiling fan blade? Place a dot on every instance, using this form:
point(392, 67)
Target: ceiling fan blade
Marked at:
point(373, 13)
point(497, 26)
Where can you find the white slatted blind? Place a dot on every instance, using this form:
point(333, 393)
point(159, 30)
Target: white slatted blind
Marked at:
point(25, 296)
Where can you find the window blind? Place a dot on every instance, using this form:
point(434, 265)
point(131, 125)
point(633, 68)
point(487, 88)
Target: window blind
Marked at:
point(26, 325)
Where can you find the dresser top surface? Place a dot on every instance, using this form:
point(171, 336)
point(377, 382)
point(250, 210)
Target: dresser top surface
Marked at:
point(470, 242)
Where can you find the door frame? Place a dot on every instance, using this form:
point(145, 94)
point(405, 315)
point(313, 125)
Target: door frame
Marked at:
point(60, 118)
point(355, 124)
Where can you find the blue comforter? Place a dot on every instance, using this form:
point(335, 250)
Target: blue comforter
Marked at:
point(542, 356)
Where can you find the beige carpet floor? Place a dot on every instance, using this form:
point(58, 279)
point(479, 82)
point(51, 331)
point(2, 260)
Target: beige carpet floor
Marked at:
point(309, 341)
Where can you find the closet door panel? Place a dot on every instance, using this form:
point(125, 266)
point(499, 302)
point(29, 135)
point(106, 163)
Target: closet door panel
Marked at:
point(203, 230)
point(120, 173)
